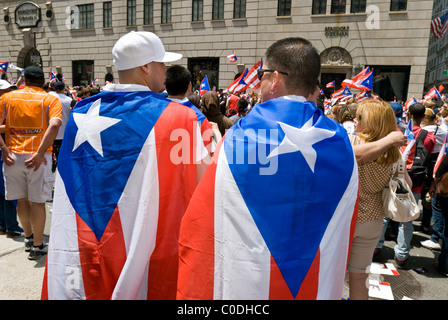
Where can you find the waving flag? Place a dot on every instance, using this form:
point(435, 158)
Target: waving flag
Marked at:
point(53, 76)
point(95, 81)
point(362, 81)
point(406, 150)
point(362, 96)
point(232, 57)
point(342, 93)
point(439, 26)
point(117, 206)
point(247, 234)
point(331, 84)
point(433, 93)
point(204, 86)
point(410, 102)
point(442, 153)
point(239, 85)
point(4, 66)
point(251, 79)
point(13, 66)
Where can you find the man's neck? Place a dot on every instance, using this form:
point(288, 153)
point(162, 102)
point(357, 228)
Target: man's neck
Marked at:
point(178, 97)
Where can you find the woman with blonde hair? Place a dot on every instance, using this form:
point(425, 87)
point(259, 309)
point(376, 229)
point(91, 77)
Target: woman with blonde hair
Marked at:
point(374, 120)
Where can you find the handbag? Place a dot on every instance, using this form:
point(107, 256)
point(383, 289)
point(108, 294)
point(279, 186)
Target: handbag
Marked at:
point(442, 186)
point(398, 201)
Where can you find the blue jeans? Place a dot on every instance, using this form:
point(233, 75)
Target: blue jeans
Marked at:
point(440, 206)
point(438, 221)
point(8, 215)
point(404, 238)
point(403, 246)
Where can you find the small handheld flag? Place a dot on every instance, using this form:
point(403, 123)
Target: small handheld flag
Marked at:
point(204, 86)
point(232, 57)
point(4, 66)
point(331, 84)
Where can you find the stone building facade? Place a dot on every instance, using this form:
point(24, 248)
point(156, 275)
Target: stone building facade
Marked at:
point(76, 37)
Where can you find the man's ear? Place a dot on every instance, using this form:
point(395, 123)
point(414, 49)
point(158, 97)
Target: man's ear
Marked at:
point(190, 87)
point(145, 68)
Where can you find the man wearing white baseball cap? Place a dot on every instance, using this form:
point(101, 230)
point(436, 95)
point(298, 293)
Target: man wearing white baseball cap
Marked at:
point(4, 85)
point(140, 58)
point(127, 169)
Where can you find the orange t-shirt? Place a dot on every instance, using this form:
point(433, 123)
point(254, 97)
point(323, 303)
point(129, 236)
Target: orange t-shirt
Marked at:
point(28, 113)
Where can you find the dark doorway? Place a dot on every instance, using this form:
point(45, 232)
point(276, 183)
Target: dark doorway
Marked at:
point(391, 82)
point(329, 77)
point(201, 67)
point(83, 72)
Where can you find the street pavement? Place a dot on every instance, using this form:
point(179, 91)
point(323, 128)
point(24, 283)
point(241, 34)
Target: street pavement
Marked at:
point(21, 279)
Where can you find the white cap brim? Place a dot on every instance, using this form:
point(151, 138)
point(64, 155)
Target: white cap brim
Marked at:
point(171, 57)
point(5, 85)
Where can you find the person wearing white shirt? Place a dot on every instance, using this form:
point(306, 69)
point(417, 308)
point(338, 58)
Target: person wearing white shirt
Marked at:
point(67, 105)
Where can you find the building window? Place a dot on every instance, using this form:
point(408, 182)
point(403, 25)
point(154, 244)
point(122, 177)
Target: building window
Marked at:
point(148, 12)
point(166, 11)
point(338, 6)
point(107, 14)
point(398, 5)
point(358, 6)
point(197, 10)
point(239, 9)
point(284, 8)
point(218, 10)
point(83, 17)
point(319, 7)
point(132, 13)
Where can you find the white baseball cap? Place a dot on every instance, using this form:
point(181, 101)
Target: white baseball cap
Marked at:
point(4, 84)
point(138, 48)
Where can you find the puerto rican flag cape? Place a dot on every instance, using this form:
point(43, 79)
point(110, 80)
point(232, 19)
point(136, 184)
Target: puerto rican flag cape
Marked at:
point(122, 186)
point(274, 214)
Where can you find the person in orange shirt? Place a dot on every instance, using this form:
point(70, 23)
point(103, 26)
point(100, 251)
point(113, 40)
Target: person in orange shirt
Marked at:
point(33, 118)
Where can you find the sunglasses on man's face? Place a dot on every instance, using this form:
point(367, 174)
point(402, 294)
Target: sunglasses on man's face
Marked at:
point(260, 72)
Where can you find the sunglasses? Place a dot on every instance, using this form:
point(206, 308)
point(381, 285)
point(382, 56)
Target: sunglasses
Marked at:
point(260, 72)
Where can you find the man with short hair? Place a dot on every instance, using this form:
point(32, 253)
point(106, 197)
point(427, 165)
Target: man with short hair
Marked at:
point(178, 86)
point(58, 90)
point(126, 172)
point(264, 223)
point(33, 118)
point(242, 110)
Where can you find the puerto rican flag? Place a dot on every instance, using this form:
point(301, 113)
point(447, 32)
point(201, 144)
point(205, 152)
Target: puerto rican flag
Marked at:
point(251, 79)
point(53, 76)
point(239, 85)
point(264, 223)
point(342, 93)
point(204, 86)
point(362, 81)
point(362, 96)
point(433, 93)
point(331, 84)
point(126, 173)
point(409, 103)
point(4, 66)
point(442, 153)
point(232, 57)
point(406, 150)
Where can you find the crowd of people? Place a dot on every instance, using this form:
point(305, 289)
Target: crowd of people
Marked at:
point(368, 136)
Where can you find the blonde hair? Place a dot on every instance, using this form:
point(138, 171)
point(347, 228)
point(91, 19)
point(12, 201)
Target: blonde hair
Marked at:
point(378, 120)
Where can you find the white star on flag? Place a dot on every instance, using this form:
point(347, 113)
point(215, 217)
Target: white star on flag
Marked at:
point(90, 126)
point(302, 140)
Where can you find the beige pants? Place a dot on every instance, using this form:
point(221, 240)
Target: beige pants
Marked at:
point(366, 237)
point(21, 182)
